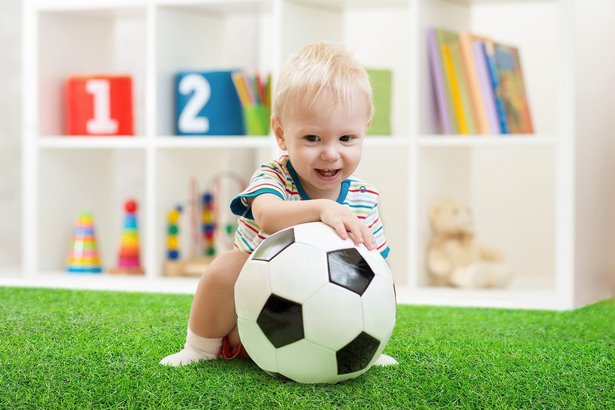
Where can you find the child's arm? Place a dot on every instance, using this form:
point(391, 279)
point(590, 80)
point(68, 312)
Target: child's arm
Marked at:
point(273, 214)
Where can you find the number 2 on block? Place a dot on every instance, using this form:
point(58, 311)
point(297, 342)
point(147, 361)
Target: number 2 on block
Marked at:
point(189, 120)
point(102, 122)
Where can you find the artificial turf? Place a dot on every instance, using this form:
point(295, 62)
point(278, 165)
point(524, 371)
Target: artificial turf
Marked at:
point(84, 349)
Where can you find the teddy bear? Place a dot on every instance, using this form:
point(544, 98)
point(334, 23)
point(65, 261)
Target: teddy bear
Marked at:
point(454, 257)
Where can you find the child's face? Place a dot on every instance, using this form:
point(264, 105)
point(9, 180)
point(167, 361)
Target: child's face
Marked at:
point(324, 143)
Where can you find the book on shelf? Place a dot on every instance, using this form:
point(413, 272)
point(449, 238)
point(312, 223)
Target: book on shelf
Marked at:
point(455, 81)
point(460, 73)
point(514, 98)
point(452, 87)
point(474, 74)
point(489, 56)
point(382, 83)
point(444, 110)
point(486, 87)
point(477, 84)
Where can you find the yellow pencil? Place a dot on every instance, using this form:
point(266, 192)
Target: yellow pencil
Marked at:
point(241, 91)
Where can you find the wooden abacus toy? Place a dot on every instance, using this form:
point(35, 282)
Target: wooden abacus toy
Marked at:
point(206, 235)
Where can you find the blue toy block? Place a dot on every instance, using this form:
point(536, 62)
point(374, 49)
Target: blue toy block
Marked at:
point(207, 104)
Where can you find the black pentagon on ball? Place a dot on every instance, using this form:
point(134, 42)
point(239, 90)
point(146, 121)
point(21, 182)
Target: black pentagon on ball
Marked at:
point(348, 269)
point(274, 244)
point(357, 354)
point(281, 320)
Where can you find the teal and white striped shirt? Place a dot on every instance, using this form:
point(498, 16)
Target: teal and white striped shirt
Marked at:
point(280, 179)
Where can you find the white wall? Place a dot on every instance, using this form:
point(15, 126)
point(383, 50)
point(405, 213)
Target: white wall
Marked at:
point(10, 114)
point(594, 96)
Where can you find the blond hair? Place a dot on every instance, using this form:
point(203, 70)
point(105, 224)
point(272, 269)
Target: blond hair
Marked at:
point(316, 68)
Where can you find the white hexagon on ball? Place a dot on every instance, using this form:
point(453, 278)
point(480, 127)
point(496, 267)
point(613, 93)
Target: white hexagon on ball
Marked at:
point(332, 317)
point(252, 290)
point(379, 308)
point(260, 348)
point(299, 263)
point(307, 362)
point(328, 239)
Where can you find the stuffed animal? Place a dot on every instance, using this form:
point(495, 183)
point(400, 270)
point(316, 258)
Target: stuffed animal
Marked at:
point(454, 257)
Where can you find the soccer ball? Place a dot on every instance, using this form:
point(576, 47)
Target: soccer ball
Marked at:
point(313, 307)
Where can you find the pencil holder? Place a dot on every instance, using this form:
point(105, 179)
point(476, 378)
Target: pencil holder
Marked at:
point(256, 119)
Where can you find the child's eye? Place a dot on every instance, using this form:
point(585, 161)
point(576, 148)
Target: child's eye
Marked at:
point(311, 138)
point(347, 138)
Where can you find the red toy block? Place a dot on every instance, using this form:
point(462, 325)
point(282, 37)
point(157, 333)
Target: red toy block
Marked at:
point(99, 105)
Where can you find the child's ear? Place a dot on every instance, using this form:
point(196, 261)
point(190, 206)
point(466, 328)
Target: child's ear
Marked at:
point(278, 132)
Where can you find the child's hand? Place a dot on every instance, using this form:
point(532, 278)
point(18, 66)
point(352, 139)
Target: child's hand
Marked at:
point(345, 222)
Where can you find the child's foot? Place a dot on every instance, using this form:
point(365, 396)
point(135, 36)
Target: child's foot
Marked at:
point(186, 356)
point(196, 349)
point(385, 360)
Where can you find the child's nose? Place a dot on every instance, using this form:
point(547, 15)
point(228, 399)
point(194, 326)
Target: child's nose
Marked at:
point(330, 153)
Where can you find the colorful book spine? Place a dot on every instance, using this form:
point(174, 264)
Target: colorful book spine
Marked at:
point(437, 77)
point(516, 106)
point(469, 63)
point(486, 88)
point(447, 58)
point(446, 37)
point(456, 81)
point(495, 83)
point(460, 74)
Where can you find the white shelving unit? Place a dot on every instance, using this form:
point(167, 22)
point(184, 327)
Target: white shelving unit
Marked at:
point(542, 199)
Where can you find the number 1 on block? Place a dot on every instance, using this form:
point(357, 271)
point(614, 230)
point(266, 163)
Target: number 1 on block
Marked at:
point(99, 105)
point(101, 123)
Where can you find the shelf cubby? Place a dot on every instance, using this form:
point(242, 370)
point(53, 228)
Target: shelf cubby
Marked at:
point(511, 191)
point(539, 42)
point(96, 181)
point(88, 41)
point(207, 36)
point(221, 169)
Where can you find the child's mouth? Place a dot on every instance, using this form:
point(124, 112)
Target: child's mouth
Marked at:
point(328, 173)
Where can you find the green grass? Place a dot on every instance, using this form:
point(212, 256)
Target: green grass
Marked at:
point(80, 349)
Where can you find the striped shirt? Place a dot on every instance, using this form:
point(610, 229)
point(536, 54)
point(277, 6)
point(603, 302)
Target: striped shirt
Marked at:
point(280, 179)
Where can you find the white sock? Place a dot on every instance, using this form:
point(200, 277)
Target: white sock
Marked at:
point(385, 360)
point(196, 349)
